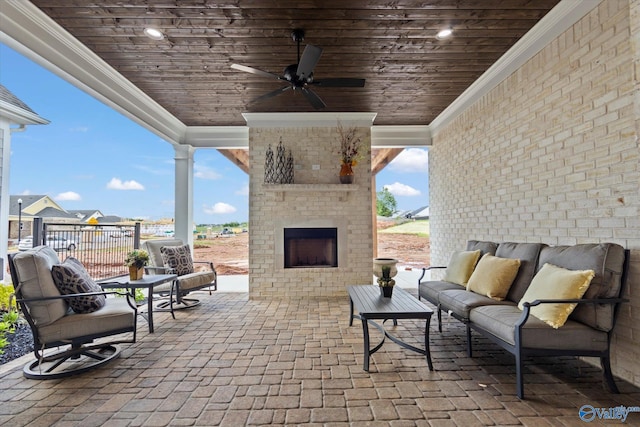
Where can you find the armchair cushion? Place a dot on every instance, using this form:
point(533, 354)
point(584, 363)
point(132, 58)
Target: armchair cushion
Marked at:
point(33, 268)
point(71, 277)
point(178, 258)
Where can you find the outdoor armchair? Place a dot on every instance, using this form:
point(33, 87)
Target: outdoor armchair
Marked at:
point(66, 308)
point(173, 256)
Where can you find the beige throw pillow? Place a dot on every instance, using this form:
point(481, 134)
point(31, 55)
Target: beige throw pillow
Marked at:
point(461, 266)
point(493, 276)
point(553, 282)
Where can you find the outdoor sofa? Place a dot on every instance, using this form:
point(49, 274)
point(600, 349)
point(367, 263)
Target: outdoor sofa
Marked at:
point(533, 299)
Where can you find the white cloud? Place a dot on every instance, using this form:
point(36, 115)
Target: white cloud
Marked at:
point(204, 172)
point(219, 208)
point(411, 160)
point(118, 184)
point(398, 189)
point(68, 195)
point(244, 191)
point(80, 129)
point(153, 171)
point(26, 193)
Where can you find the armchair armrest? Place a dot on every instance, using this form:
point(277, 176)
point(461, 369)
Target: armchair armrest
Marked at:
point(158, 270)
point(526, 311)
point(207, 263)
point(68, 296)
point(425, 269)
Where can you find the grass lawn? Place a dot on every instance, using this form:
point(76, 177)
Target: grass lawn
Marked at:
point(421, 228)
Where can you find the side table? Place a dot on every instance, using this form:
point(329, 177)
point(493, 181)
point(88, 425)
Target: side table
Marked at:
point(148, 281)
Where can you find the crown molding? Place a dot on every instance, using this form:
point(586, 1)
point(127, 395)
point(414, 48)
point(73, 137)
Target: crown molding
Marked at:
point(222, 137)
point(297, 120)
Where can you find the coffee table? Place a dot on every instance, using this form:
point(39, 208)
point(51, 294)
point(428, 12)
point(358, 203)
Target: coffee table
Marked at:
point(148, 281)
point(371, 305)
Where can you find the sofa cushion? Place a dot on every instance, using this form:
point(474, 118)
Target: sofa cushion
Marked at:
point(485, 247)
point(178, 259)
point(528, 254)
point(493, 276)
point(71, 277)
point(33, 268)
point(500, 320)
point(553, 282)
point(431, 289)
point(461, 266)
point(607, 260)
point(460, 302)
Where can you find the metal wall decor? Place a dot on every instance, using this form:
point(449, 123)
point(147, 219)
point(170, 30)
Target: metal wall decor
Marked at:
point(278, 169)
point(268, 166)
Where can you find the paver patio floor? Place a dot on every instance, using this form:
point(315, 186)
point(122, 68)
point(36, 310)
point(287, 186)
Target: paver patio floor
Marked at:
point(233, 362)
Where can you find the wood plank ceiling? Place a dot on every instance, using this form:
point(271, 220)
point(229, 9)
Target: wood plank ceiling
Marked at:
point(411, 76)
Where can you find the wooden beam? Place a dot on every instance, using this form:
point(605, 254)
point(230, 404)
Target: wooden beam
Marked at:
point(239, 157)
point(380, 158)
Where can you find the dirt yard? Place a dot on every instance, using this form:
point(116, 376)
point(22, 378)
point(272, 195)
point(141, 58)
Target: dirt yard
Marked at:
point(230, 255)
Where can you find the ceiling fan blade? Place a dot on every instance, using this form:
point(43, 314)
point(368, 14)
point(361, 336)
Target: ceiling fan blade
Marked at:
point(271, 94)
point(308, 62)
point(313, 99)
point(339, 82)
point(256, 71)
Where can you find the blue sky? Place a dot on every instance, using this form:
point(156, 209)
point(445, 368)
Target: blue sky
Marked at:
point(92, 157)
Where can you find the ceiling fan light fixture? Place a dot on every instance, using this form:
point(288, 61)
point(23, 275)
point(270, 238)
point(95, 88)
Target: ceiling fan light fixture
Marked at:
point(153, 33)
point(443, 34)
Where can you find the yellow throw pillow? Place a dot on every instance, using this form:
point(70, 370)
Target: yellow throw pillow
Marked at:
point(493, 276)
point(461, 266)
point(553, 282)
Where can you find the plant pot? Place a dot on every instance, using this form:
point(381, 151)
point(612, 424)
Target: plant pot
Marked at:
point(346, 173)
point(136, 273)
point(386, 291)
point(378, 263)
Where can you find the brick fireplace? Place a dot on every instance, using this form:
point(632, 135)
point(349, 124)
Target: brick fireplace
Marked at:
point(315, 201)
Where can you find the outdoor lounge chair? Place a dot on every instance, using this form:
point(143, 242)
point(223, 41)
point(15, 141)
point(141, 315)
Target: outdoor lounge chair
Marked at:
point(173, 256)
point(61, 313)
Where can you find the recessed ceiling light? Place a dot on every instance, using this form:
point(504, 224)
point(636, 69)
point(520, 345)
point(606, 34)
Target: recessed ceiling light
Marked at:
point(153, 33)
point(443, 34)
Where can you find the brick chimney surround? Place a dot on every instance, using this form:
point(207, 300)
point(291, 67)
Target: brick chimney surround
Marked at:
point(316, 199)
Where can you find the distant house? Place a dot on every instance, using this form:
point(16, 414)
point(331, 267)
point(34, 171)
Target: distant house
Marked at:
point(94, 216)
point(34, 206)
point(420, 213)
point(45, 207)
point(86, 214)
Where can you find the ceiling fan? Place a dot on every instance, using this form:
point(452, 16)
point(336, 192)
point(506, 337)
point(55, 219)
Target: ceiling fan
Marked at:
point(300, 75)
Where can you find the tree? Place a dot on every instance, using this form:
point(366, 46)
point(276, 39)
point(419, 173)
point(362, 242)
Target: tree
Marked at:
point(385, 203)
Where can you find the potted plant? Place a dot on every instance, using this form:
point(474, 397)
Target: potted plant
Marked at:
point(136, 260)
point(385, 282)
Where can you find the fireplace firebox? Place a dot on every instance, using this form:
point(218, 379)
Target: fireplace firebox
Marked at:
point(310, 247)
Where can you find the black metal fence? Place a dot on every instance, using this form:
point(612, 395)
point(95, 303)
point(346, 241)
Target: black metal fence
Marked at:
point(102, 248)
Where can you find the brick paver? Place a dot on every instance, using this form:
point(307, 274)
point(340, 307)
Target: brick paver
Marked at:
point(232, 361)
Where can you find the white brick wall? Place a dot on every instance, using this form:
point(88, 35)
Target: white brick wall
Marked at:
point(316, 196)
point(551, 155)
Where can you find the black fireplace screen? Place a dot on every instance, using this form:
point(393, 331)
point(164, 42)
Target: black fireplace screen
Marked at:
point(310, 247)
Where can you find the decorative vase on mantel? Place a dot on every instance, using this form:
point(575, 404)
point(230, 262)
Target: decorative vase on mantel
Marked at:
point(346, 173)
point(135, 273)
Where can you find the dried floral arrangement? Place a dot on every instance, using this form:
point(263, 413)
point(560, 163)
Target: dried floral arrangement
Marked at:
point(350, 145)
